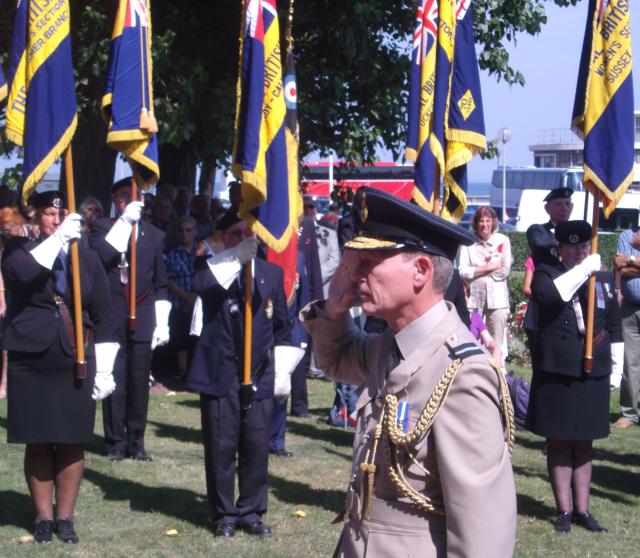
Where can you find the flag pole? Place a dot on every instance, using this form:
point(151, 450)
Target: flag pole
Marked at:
point(81, 363)
point(133, 261)
point(591, 288)
point(246, 392)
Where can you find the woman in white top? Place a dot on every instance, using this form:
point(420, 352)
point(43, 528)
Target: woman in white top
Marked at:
point(485, 266)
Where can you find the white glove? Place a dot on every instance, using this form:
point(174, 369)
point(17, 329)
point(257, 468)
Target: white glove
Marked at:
point(69, 229)
point(285, 359)
point(132, 212)
point(120, 232)
point(226, 265)
point(568, 283)
point(104, 384)
point(246, 250)
point(161, 332)
point(591, 264)
point(47, 251)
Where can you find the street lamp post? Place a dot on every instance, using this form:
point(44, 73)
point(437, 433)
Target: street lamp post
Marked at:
point(504, 135)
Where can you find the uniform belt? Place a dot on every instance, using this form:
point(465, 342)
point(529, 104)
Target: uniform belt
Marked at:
point(399, 513)
point(68, 322)
point(144, 296)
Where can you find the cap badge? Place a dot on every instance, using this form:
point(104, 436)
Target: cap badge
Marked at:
point(56, 202)
point(364, 212)
point(574, 238)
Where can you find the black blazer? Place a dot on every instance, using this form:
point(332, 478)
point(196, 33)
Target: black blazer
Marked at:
point(541, 240)
point(559, 346)
point(218, 356)
point(34, 322)
point(151, 278)
point(308, 245)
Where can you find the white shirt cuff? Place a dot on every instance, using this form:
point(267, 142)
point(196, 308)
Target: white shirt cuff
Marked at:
point(225, 268)
point(119, 235)
point(47, 251)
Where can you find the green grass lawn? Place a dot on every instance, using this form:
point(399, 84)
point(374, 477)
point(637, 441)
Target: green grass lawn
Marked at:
point(126, 508)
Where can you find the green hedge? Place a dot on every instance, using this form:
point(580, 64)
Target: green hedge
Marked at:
point(520, 249)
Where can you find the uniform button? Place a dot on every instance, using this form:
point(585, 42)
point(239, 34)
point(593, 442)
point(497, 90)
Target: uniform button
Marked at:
point(56, 314)
point(378, 402)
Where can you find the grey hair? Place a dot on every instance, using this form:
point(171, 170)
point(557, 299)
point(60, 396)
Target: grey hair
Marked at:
point(442, 269)
point(91, 200)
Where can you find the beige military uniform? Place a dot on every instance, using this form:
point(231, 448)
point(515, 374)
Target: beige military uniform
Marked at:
point(434, 490)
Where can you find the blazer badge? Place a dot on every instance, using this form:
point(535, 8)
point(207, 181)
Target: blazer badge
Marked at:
point(268, 311)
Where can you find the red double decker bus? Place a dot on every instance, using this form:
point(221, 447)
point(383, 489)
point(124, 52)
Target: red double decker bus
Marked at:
point(391, 177)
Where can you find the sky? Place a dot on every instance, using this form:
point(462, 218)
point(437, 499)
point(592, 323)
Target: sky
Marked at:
point(549, 62)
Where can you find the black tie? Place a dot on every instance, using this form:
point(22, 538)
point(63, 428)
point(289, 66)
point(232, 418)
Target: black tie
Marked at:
point(60, 272)
point(394, 358)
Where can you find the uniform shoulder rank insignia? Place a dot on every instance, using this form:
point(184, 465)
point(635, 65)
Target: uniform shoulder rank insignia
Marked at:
point(268, 311)
point(466, 350)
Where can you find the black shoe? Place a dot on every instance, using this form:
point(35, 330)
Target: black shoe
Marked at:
point(256, 528)
point(66, 532)
point(225, 530)
point(586, 520)
point(43, 532)
point(141, 456)
point(562, 524)
point(281, 453)
point(115, 456)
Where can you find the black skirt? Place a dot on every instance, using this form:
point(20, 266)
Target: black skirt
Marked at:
point(568, 408)
point(46, 404)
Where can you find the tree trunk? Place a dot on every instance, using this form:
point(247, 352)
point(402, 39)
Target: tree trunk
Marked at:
point(178, 165)
point(207, 177)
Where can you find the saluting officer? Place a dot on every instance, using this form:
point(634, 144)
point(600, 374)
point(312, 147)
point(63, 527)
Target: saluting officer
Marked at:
point(431, 469)
point(51, 411)
point(236, 437)
point(125, 412)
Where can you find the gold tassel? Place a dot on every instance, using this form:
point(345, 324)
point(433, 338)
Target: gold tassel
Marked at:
point(148, 121)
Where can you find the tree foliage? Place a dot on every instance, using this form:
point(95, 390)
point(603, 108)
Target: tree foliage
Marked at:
point(352, 63)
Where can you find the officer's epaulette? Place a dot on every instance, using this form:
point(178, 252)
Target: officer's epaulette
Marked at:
point(466, 350)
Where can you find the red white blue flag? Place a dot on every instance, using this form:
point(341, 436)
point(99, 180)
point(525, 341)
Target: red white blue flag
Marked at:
point(260, 158)
point(127, 104)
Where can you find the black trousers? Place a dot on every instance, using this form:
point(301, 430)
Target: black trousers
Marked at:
point(235, 438)
point(125, 410)
point(299, 397)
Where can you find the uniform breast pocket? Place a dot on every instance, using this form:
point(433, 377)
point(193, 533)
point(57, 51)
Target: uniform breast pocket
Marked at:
point(391, 540)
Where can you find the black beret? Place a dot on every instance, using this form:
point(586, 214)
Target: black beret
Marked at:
point(385, 222)
point(51, 198)
point(122, 183)
point(573, 232)
point(229, 219)
point(558, 194)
